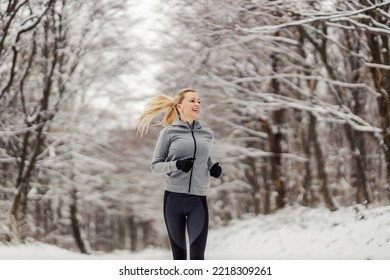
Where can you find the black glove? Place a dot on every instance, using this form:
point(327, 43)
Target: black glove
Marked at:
point(216, 170)
point(185, 165)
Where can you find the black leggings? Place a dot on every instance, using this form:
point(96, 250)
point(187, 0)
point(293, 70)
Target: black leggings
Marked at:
point(181, 210)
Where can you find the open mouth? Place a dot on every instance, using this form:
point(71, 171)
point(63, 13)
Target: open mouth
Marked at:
point(195, 110)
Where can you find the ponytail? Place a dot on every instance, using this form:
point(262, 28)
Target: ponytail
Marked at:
point(158, 104)
point(152, 109)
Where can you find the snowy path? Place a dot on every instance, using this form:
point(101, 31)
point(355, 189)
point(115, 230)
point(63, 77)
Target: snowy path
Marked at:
point(293, 233)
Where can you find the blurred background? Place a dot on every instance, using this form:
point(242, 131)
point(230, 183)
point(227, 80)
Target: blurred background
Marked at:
point(297, 93)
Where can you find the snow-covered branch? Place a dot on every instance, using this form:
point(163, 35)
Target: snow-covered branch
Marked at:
point(322, 18)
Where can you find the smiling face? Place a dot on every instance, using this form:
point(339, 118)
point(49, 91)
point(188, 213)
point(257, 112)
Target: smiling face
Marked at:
point(190, 107)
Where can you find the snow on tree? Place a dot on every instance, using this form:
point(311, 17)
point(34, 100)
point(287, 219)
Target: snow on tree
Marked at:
point(297, 93)
point(58, 60)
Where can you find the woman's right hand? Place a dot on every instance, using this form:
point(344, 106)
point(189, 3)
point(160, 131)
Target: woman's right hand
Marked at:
point(185, 165)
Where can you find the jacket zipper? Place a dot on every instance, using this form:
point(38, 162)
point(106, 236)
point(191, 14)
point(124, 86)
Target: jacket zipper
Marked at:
point(193, 137)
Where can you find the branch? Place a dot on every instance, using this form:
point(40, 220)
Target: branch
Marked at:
point(328, 17)
point(376, 65)
point(7, 26)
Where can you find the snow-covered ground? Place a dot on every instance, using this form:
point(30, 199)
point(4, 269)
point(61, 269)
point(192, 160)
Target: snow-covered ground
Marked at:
point(294, 233)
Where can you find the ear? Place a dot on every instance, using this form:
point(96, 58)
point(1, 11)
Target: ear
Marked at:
point(178, 107)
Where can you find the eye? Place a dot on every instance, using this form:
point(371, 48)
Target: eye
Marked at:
point(194, 100)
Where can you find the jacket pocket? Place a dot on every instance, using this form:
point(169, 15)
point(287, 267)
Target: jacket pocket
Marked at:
point(178, 178)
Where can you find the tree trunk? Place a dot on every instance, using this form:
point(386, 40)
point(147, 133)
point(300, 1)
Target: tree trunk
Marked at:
point(81, 242)
point(382, 85)
point(321, 166)
point(253, 180)
point(363, 191)
point(275, 139)
point(276, 163)
point(133, 234)
point(268, 190)
point(307, 199)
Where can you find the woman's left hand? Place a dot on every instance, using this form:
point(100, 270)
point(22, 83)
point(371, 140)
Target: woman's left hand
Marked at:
point(216, 170)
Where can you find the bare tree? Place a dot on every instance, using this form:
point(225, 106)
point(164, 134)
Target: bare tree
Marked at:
point(58, 59)
point(296, 92)
point(289, 62)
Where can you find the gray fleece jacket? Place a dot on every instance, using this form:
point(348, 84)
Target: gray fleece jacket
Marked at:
point(181, 141)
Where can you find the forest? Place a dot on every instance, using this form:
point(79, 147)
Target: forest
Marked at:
point(297, 93)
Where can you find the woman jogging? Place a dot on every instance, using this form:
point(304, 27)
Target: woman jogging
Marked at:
point(183, 153)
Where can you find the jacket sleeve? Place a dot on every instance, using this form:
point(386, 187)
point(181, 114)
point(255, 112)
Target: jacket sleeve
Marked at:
point(159, 164)
point(210, 160)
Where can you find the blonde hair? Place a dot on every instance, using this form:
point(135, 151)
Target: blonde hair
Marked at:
point(157, 105)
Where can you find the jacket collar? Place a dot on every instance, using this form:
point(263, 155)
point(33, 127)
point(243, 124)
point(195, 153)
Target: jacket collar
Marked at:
point(178, 122)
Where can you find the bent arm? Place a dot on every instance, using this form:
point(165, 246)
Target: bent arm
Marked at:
point(159, 164)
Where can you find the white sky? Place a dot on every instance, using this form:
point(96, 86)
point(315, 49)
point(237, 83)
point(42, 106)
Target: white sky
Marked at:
point(142, 83)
